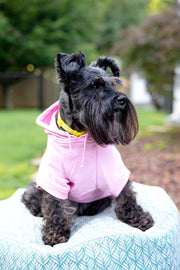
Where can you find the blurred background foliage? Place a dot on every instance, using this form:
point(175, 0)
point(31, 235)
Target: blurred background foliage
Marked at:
point(154, 49)
point(33, 31)
point(144, 34)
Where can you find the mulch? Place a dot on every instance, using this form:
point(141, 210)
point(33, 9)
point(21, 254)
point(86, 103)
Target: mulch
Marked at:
point(154, 159)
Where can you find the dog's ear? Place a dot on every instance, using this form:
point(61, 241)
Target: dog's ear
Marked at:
point(68, 64)
point(104, 62)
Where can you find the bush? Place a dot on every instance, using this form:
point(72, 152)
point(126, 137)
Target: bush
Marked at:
point(154, 49)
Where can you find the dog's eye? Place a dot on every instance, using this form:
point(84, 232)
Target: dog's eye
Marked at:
point(97, 83)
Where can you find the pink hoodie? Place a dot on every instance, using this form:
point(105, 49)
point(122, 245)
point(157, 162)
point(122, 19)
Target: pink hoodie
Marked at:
point(77, 168)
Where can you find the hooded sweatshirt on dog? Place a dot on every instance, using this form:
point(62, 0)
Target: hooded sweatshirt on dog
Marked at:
point(77, 168)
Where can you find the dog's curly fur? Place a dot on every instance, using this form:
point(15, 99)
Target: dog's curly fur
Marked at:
point(89, 101)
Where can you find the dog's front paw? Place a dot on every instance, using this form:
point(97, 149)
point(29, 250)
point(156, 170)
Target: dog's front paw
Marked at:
point(54, 235)
point(52, 239)
point(135, 217)
point(145, 221)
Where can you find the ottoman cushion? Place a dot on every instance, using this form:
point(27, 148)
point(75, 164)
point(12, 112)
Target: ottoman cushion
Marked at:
point(98, 242)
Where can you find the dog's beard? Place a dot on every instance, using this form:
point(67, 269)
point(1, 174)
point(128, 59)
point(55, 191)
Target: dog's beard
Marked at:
point(126, 124)
point(107, 125)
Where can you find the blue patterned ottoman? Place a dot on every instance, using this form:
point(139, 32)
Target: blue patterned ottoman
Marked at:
point(99, 242)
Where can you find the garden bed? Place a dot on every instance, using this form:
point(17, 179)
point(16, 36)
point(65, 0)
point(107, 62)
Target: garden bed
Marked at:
point(154, 159)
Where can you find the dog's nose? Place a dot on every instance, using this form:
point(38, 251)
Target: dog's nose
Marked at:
point(119, 102)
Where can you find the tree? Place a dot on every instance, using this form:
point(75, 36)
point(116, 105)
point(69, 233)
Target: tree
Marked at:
point(120, 15)
point(154, 48)
point(33, 31)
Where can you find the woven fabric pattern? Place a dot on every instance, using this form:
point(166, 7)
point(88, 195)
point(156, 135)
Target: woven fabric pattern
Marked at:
point(99, 242)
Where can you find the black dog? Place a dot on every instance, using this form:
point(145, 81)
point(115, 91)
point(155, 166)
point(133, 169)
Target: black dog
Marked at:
point(89, 106)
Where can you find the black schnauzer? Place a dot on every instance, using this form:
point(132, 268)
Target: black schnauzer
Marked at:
point(89, 106)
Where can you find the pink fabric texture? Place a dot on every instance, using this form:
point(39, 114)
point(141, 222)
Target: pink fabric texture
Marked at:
point(77, 168)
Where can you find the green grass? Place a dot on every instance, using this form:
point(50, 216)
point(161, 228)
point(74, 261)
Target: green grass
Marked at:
point(21, 140)
point(149, 118)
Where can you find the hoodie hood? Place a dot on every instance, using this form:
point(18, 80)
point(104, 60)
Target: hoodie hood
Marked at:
point(47, 120)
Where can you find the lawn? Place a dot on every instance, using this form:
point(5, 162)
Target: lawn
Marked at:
point(150, 118)
point(21, 140)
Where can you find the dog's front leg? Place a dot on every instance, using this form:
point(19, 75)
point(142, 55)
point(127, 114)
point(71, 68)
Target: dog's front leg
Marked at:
point(128, 211)
point(57, 218)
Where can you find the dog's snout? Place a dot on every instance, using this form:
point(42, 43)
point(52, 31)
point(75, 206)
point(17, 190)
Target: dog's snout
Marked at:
point(119, 102)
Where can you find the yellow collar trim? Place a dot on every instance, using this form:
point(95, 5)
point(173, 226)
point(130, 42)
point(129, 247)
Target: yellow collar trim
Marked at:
point(62, 124)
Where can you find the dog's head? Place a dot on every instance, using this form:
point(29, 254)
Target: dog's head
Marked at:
point(89, 100)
